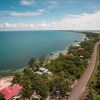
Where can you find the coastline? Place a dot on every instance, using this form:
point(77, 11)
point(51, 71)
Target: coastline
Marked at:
point(64, 52)
point(63, 60)
point(49, 56)
point(56, 53)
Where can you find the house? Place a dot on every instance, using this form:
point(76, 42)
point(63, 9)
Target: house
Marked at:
point(38, 72)
point(10, 92)
point(43, 70)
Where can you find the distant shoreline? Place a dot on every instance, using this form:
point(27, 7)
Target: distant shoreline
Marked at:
point(56, 53)
point(54, 56)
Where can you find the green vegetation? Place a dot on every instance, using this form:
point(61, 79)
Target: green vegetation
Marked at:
point(66, 69)
point(1, 97)
point(4, 74)
point(94, 83)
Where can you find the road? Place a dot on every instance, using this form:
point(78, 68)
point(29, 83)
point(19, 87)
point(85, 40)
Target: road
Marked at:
point(79, 88)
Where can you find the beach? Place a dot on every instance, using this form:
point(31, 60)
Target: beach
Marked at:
point(17, 48)
point(5, 82)
point(55, 55)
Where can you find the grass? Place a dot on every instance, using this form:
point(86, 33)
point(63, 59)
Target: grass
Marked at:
point(93, 76)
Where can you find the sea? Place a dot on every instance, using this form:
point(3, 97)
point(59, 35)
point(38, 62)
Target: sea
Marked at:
point(18, 47)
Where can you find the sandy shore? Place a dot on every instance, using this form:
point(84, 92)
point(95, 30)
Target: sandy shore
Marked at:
point(5, 82)
point(55, 54)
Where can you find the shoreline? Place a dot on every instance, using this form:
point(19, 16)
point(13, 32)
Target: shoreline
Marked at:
point(65, 51)
point(56, 53)
point(49, 56)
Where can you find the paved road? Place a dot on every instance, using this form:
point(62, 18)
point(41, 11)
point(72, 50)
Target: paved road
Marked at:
point(79, 88)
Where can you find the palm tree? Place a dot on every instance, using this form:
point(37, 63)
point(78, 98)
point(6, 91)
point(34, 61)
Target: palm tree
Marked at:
point(27, 89)
point(27, 71)
point(32, 62)
point(17, 79)
point(42, 60)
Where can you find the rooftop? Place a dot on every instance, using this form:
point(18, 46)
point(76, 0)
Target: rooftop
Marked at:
point(10, 91)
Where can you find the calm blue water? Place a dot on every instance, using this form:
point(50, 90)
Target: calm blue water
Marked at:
point(17, 47)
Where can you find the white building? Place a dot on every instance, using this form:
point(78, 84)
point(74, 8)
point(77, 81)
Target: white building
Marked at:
point(42, 71)
point(38, 72)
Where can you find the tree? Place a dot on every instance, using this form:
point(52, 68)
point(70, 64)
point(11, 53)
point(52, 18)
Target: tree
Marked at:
point(18, 78)
point(27, 71)
point(51, 85)
point(1, 97)
point(90, 95)
point(40, 85)
point(42, 60)
point(62, 85)
point(27, 88)
point(32, 62)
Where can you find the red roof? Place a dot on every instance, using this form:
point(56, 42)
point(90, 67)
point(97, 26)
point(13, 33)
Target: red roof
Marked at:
point(10, 91)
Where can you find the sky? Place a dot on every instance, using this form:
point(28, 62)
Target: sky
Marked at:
point(49, 14)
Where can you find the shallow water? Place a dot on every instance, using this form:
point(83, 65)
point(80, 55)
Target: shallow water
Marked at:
point(18, 47)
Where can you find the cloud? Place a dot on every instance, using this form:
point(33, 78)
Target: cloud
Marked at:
point(16, 25)
point(52, 4)
point(27, 2)
point(84, 21)
point(38, 12)
point(24, 14)
point(26, 26)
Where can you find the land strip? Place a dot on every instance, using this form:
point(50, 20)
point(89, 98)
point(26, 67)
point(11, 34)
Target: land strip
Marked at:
point(79, 88)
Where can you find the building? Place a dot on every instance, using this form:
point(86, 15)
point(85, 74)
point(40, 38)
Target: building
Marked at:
point(42, 70)
point(10, 92)
point(38, 72)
